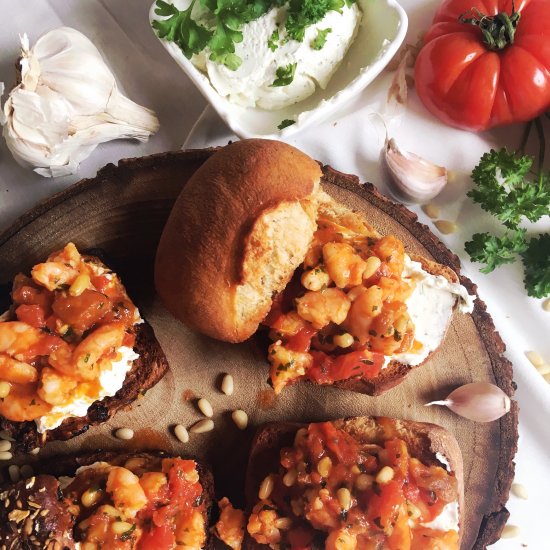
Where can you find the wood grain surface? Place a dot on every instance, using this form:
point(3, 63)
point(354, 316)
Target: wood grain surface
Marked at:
point(123, 210)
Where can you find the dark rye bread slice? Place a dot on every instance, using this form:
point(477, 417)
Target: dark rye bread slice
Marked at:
point(423, 441)
point(146, 371)
point(58, 524)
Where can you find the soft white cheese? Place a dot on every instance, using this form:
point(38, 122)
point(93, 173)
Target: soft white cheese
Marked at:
point(430, 307)
point(110, 381)
point(251, 84)
point(443, 459)
point(447, 520)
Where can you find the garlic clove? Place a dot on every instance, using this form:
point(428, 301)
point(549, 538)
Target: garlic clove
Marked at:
point(412, 178)
point(478, 401)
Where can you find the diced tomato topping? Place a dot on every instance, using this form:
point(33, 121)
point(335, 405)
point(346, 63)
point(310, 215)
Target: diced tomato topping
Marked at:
point(157, 538)
point(29, 295)
point(301, 341)
point(384, 504)
point(327, 368)
point(84, 311)
point(101, 282)
point(301, 538)
point(31, 314)
point(325, 436)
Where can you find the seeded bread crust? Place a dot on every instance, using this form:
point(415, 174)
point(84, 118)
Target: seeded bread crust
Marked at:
point(146, 371)
point(423, 441)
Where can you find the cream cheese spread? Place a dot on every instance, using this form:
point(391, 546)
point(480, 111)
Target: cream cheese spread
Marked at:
point(430, 307)
point(110, 381)
point(251, 85)
point(447, 520)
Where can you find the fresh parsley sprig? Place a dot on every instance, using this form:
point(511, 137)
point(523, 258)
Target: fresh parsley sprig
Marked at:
point(284, 75)
point(506, 188)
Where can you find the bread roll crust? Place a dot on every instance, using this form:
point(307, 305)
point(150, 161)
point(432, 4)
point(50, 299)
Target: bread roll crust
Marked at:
point(205, 268)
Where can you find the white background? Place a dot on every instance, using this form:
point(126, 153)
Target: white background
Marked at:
point(350, 142)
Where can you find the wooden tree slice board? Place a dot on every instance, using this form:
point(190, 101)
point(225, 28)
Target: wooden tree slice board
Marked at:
point(123, 211)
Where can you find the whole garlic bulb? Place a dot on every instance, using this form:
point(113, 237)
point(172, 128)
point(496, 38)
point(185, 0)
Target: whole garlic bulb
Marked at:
point(66, 104)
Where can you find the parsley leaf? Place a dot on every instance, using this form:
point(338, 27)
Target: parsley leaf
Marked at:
point(180, 28)
point(502, 188)
point(285, 75)
point(536, 263)
point(286, 123)
point(303, 13)
point(320, 40)
point(494, 251)
point(273, 39)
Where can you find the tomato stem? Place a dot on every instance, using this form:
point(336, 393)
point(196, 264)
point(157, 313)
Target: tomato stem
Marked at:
point(498, 30)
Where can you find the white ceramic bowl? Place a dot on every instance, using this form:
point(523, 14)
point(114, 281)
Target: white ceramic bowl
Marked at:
point(382, 31)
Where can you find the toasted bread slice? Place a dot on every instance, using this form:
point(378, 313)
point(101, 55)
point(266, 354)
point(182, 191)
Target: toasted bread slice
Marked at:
point(428, 443)
point(146, 371)
point(43, 492)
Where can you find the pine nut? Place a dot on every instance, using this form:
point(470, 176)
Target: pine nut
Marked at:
point(228, 384)
point(26, 471)
point(546, 305)
point(289, 479)
point(83, 525)
point(344, 498)
point(543, 369)
point(363, 482)
point(5, 455)
point(121, 527)
point(315, 279)
point(343, 340)
point(535, 358)
point(431, 210)
point(240, 418)
point(202, 426)
point(266, 488)
point(446, 227)
point(300, 436)
point(134, 463)
point(91, 496)
point(283, 523)
point(324, 465)
point(413, 511)
point(385, 475)
point(4, 434)
point(181, 433)
point(13, 472)
point(205, 407)
point(371, 265)
point(35, 451)
point(109, 510)
point(355, 469)
point(124, 433)
point(80, 284)
point(5, 445)
point(317, 504)
point(5, 388)
point(510, 532)
point(519, 490)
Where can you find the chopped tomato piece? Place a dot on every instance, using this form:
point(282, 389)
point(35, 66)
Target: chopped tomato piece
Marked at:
point(84, 311)
point(31, 314)
point(158, 538)
point(327, 369)
point(301, 341)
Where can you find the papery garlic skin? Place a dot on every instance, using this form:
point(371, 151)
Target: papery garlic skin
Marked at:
point(66, 104)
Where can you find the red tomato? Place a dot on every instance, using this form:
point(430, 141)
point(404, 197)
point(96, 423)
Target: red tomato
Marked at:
point(327, 369)
point(302, 340)
point(84, 311)
point(384, 506)
point(32, 315)
point(158, 538)
point(466, 84)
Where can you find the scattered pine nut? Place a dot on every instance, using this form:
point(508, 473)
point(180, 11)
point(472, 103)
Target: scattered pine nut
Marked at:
point(13, 472)
point(227, 385)
point(205, 407)
point(535, 358)
point(5, 388)
point(5, 455)
point(26, 471)
point(446, 227)
point(520, 491)
point(543, 369)
point(5, 445)
point(266, 488)
point(510, 532)
point(124, 433)
point(240, 418)
point(546, 305)
point(181, 433)
point(202, 426)
point(431, 210)
point(35, 451)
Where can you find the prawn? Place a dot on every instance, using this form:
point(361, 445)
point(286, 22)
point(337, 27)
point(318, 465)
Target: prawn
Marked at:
point(17, 339)
point(84, 362)
point(22, 404)
point(128, 495)
point(55, 388)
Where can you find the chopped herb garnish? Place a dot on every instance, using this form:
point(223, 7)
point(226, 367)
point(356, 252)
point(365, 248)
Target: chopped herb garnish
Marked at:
point(367, 361)
point(372, 332)
point(86, 358)
point(397, 336)
point(273, 40)
point(285, 75)
point(320, 40)
point(286, 123)
point(127, 534)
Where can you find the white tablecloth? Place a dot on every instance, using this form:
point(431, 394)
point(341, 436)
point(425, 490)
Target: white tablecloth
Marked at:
point(351, 142)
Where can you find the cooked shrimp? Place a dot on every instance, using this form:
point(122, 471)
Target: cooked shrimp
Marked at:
point(344, 266)
point(22, 404)
point(17, 339)
point(15, 371)
point(54, 275)
point(68, 255)
point(324, 307)
point(364, 309)
point(84, 362)
point(124, 487)
point(230, 526)
point(341, 539)
point(261, 524)
point(55, 388)
point(190, 530)
point(286, 365)
point(391, 251)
